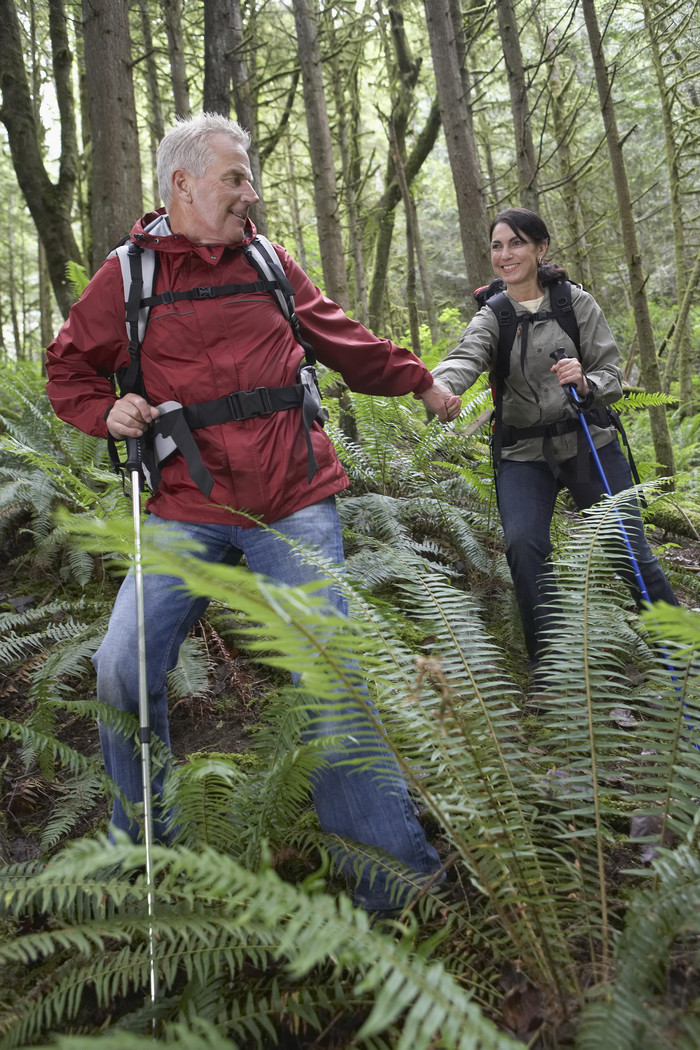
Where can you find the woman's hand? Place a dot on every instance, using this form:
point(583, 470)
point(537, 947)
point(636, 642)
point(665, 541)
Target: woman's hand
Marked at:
point(130, 416)
point(570, 373)
point(438, 399)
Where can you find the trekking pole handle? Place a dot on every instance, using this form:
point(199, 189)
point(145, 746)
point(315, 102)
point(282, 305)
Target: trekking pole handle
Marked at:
point(558, 355)
point(134, 453)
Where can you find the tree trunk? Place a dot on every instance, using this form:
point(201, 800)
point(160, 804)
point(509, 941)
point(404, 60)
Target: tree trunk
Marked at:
point(14, 280)
point(383, 213)
point(563, 124)
point(461, 143)
point(409, 211)
point(45, 312)
point(294, 203)
point(645, 334)
point(49, 204)
point(524, 148)
point(172, 13)
point(346, 97)
point(321, 151)
point(155, 110)
point(218, 48)
point(116, 167)
point(246, 103)
point(681, 338)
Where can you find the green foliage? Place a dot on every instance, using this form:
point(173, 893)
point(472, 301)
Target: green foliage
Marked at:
point(78, 277)
point(527, 796)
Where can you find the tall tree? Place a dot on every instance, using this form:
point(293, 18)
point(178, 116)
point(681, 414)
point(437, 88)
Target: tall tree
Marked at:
point(461, 142)
point(49, 203)
point(519, 105)
point(172, 14)
point(645, 334)
point(321, 150)
point(227, 74)
point(155, 110)
point(654, 22)
point(243, 84)
point(116, 166)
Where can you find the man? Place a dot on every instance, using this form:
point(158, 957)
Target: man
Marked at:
point(200, 351)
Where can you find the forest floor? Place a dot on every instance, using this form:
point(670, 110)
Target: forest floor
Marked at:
point(220, 722)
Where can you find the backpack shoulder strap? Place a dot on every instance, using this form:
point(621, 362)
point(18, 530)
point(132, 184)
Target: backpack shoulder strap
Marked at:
point(263, 257)
point(563, 311)
point(138, 266)
point(138, 269)
point(507, 319)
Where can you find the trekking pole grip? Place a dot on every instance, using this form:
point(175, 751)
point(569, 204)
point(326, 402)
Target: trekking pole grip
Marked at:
point(134, 453)
point(558, 355)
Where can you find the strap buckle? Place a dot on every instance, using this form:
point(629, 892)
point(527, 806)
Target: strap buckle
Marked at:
point(167, 297)
point(246, 404)
point(203, 292)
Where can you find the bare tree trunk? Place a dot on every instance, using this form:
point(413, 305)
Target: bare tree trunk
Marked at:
point(49, 204)
point(45, 312)
point(409, 211)
point(461, 143)
point(524, 148)
point(14, 280)
point(383, 213)
point(344, 78)
point(681, 340)
point(172, 13)
point(404, 71)
point(321, 150)
point(155, 110)
point(645, 334)
point(293, 195)
point(245, 101)
point(116, 167)
point(562, 123)
point(218, 48)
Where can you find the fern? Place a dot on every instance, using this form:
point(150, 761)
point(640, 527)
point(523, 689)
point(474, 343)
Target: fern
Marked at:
point(213, 918)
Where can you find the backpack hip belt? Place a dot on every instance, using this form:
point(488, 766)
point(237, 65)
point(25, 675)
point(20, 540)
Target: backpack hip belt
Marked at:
point(597, 416)
point(171, 432)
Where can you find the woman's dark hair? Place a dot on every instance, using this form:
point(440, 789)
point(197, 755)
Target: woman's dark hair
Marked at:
point(528, 225)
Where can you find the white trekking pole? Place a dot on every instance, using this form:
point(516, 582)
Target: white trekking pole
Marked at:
point(134, 455)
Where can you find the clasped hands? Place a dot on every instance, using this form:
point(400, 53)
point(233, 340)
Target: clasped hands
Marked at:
point(442, 402)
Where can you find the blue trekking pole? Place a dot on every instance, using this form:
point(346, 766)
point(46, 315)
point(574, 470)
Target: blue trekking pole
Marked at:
point(134, 457)
point(558, 355)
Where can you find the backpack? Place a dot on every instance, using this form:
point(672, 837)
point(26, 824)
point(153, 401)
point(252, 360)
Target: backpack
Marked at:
point(561, 310)
point(172, 431)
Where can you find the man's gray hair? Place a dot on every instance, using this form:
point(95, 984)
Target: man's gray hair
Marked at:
point(187, 145)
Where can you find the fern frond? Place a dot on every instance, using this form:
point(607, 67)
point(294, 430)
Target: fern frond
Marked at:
point(211, 918)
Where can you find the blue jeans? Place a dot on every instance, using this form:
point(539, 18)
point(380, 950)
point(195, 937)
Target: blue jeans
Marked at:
point(371, 806)
point(526, 493)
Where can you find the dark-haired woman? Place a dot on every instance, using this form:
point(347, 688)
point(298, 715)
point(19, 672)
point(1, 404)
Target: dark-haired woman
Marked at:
point(533, 467)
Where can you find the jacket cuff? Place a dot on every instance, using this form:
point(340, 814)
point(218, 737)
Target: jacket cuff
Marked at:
point(425, 384)
point(588, 400)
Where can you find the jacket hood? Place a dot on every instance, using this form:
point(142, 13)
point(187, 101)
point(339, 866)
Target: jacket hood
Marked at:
point(153, 231)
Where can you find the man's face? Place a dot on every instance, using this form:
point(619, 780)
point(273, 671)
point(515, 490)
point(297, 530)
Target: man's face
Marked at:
point(218, 202)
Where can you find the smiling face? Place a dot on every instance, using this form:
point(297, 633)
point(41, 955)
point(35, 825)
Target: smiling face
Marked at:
point(213, 208)
point(514, 258)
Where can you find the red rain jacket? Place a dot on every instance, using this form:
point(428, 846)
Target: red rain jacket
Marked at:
point(205, 349)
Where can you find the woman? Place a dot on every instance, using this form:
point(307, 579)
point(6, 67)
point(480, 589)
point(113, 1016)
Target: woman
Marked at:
point(540, 434)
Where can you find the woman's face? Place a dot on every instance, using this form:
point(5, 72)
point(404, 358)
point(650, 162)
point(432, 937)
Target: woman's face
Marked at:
point(514, 258)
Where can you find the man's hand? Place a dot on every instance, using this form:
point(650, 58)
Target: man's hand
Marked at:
point(442, 402)
point(130, 416)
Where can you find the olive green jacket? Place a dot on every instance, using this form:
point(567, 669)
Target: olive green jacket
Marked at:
point(531, 392)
